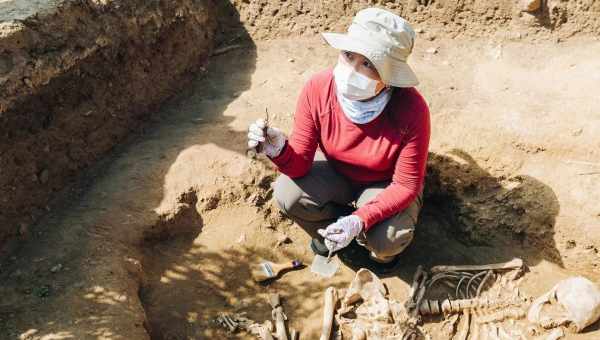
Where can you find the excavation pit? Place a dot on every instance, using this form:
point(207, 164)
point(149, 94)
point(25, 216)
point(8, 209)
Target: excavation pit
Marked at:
point(157, 238)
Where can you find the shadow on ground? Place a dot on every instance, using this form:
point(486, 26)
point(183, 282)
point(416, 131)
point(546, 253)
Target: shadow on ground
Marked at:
point(469, 217)
point(472, 217)
point(188, 286)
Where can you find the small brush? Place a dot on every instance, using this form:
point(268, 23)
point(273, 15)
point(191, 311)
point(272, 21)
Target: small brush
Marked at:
point(268, 270)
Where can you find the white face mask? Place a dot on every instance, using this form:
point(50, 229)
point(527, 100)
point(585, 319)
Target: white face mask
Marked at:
point(352, 84)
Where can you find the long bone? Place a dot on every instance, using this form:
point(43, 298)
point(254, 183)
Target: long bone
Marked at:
point(475, 327)
point(279, 316)
point(329, 302)
point(416, 294)
point(463, 326)
point(512, 264)
point(503, 314)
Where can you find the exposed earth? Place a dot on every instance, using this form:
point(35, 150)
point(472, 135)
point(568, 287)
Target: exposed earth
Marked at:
point(159, 236)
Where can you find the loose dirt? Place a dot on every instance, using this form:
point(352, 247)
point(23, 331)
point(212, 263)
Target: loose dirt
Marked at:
point(180, 214)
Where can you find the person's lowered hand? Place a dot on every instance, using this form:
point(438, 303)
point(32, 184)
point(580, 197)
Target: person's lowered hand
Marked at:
point(338, 235)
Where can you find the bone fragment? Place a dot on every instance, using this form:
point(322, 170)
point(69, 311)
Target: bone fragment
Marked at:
point(475, 328)
point(399, 313)
point(225, 49)
point(512, 264)
point(493, 333)
point(458, 293)
point(278, 316)
point(504, 334)
point(265, 334)
point(366, 286)
point(502, 314)
point(463, 326)
point(416, 280)
point(358, 333)
point(483, 282)
point(449, 326)
point(556, 334)
point(416, 294)
point(262, 330)
point(447, 306)
point(329, 302)
point(369, 289)
point(471, 281)
point(442, 276)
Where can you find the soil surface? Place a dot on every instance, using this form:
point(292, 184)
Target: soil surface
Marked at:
point(163, 236)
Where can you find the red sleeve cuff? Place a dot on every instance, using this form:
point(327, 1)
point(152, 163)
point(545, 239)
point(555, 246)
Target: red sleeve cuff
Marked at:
point(364, 217)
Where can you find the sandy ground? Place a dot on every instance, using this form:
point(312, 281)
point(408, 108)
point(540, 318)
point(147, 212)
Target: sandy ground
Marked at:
point(179, 211)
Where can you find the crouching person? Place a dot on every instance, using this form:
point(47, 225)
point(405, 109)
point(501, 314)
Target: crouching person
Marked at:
point(371, 128)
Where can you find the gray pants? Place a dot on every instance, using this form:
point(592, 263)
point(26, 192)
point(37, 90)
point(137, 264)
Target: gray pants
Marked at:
point(320, 197)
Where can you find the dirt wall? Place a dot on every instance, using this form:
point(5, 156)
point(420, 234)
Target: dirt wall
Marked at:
point(76, 78)
point(514, 18)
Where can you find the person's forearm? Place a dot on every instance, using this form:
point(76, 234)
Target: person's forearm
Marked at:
point(394, 199)
point(290, 163)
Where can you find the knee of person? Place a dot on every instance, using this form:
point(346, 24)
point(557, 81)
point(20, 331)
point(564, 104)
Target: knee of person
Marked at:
point(391, 247)
point(286, 193)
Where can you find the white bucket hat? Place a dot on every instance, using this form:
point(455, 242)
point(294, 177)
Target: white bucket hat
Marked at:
point(385, 39)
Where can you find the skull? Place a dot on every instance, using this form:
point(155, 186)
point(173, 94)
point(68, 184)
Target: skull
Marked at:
point(574, 302)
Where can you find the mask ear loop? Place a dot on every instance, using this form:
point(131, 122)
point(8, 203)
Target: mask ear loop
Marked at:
point(385, 88)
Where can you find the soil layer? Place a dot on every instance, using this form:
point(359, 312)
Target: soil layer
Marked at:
point(78, 77)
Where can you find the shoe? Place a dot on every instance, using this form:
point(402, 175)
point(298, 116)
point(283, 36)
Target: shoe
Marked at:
point(356, 256)
point(384, 268)
point(318, 247)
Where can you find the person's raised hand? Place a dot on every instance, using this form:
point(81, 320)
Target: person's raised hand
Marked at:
point(338, 235)
point(270, 143)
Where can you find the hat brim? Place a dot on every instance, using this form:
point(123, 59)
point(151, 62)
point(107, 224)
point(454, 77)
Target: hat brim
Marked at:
point(400, 74)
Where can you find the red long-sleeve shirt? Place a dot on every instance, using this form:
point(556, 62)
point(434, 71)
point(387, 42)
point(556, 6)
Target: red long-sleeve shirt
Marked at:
point(393, 147)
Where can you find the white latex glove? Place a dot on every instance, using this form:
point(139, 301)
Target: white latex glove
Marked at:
point(272, 145)
point(338, 235)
